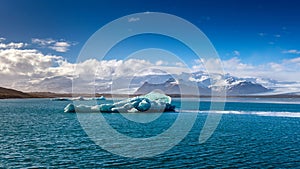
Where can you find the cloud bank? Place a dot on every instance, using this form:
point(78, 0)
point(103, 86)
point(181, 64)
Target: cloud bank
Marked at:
point(284, 70)
point(31, 70)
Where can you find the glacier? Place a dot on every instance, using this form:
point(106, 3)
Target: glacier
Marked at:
point(151, 102)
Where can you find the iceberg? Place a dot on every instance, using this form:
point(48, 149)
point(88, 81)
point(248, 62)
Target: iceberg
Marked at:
point(151, 102)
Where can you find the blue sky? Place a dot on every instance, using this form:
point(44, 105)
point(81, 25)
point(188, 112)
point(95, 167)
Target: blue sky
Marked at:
point(259, 30)
point(252, 37)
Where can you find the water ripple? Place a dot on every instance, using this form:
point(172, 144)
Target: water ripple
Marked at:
point(34, 135)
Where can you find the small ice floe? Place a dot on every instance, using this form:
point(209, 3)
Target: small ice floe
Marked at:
point(60, 99)
point(96, 98)
point(151, 102)
point(79, 99)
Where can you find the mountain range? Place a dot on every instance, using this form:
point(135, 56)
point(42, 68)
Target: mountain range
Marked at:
point(234, 86)
point(186, 83)
point(178, 84)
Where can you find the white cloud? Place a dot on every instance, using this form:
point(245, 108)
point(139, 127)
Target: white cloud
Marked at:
point(236, 53)
point(25, 61)
point(101, 73)
point(12, 45)
point(295, 60)
point(235, 63)
point(271, 43)
point(285, 70)
point(31, 70)
point(2, 39)
point(276, 67)
point(211, 65)
point(277, 36)
point(58, 46)
point(132, 19)
point(21, 66)
point(43, 42)
point(262, 34)
point(179, 64)
point(161, 62)
point(291, 51)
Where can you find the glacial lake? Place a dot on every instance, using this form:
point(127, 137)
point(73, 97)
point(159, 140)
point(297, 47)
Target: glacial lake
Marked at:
point(36, 133)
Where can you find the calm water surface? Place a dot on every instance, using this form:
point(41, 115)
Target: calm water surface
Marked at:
point(37, 133)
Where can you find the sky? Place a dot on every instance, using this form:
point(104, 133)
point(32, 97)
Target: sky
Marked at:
point(41, 40)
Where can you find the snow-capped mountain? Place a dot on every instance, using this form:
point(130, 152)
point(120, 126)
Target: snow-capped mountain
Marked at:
point(171, 86)
point(205, 83)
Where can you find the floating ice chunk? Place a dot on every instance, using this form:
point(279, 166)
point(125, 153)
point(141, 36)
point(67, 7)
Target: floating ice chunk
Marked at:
point(60, 99)
point(151, 102)
point(96, 98)
point(79, 99)
point(106, 107)
point(70, 108)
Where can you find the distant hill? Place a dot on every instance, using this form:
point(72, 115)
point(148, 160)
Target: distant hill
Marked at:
point(6, 93)
point(10, 93)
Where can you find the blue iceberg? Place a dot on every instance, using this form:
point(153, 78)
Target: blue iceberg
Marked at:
point(151, 102)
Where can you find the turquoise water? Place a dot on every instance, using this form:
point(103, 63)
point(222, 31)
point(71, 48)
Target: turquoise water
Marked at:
point(36, 133)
